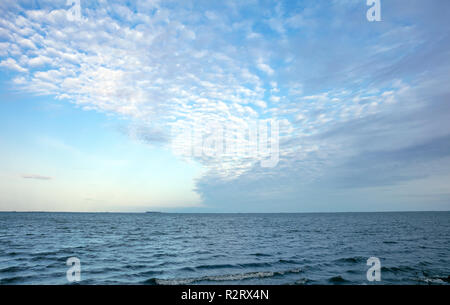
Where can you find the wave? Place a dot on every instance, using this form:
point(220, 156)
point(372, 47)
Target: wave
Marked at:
point(256, 265)
point(397, 269)
point(287, 261)
point(353, 259)
point(435, 280)
point(338, 280)
point(218, 266)
point(246, 265)
point(219, 278)
point(260, 254)
point(13, 269)
point(302, 281)
point(15, 279)
point(160, 255)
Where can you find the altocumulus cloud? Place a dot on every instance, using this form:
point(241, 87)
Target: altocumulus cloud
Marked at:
point(363, 107)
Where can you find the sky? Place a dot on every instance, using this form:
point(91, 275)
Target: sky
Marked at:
point(102, 104)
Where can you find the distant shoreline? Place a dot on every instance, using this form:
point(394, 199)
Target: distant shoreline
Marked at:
point(159, 212)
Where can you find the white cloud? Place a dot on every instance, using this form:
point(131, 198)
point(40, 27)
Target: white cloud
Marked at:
point(11, 63)
point(264, 67)
point(275, 99)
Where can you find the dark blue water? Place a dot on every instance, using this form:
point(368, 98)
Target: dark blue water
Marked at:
point(414, 248)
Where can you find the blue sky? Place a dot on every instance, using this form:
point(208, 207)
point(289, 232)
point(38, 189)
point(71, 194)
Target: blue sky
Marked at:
point(91, 108)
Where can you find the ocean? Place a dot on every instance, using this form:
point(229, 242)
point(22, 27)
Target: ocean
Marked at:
point(169, 248)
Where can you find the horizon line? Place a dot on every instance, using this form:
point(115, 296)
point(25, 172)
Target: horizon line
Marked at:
point(164, 212)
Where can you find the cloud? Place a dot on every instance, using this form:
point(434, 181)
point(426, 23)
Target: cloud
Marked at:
point(36, 177)
point(146, 134)
point(10, 63)
point(264, 67)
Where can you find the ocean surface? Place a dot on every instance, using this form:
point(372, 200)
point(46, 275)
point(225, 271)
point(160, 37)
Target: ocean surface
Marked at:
point(164, 249)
